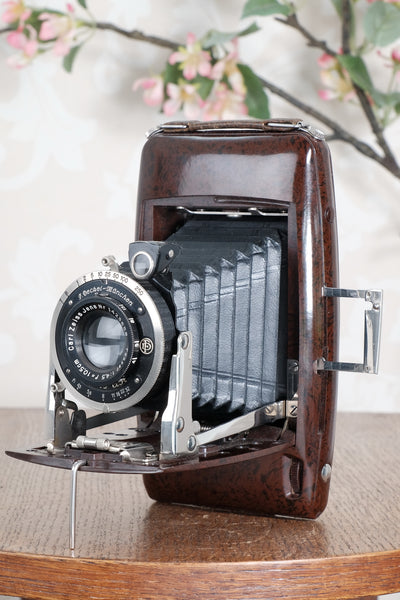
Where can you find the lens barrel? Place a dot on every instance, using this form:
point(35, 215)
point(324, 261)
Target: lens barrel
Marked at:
point(112, 339)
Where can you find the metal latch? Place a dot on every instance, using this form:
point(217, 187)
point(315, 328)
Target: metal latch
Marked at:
point(372, 331)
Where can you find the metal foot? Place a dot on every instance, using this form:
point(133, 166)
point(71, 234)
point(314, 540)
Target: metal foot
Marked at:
point(72, 509)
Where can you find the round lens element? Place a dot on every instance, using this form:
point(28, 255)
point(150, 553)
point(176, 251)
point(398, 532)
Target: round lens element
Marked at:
point(104, 341)
point(101, 341)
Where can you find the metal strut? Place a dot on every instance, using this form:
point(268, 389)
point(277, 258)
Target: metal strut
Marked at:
point(72, 509)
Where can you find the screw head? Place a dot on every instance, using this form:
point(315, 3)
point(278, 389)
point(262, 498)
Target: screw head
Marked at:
point(192, 443)
point(180, 424)
point(326, 472)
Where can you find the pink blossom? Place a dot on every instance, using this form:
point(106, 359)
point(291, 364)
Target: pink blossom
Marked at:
point(28, 44)
point(153, 87)
point(227, 66)
point(326, 61)
point(61, 29)
point(226, 104)
point(327, 94)
point(395, 56)
point(335, 79)
point(192, 59)
point(16, 11)
point(17, 39)
point(185, 96)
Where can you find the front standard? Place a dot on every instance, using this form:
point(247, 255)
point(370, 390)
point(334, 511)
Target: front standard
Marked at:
point(214, 344)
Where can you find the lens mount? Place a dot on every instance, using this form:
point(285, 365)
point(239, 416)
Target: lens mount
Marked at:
point(111, 340)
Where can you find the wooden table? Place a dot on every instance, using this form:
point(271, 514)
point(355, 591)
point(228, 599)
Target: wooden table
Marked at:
point(129, 547)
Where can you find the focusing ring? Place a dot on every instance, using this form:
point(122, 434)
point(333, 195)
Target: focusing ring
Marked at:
point(141, 333)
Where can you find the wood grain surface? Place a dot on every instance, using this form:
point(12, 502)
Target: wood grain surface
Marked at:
point(130, 547)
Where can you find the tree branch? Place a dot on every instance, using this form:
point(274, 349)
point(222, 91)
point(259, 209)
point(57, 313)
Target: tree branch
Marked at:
point(313, 42)
point(388, 160)
point(338, 133)
point(346, 27)
point(134, 34)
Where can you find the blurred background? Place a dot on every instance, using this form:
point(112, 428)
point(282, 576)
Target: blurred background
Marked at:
point(70, 147)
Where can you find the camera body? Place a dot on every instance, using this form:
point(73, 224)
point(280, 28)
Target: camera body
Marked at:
point(219, 334)
point(280, 171)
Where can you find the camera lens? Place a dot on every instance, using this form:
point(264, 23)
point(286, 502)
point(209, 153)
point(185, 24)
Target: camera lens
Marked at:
point(101, 339)
point(104, 342)
point(112, 340)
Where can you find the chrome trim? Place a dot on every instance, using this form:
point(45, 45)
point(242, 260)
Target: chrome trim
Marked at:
point(250, 212)
point(178, 430)
point(313, 131)
point(372, 332)
point(281, 409)
point(166, 127)
point(159, 341)
point(72, 510)
point(285, 124)
point(150, 270)
point(238, 126)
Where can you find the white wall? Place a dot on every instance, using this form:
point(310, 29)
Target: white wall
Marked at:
point(69, 155)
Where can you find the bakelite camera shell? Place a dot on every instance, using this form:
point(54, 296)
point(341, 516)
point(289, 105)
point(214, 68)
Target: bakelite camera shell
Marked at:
point(276, 460)
point(279, 166)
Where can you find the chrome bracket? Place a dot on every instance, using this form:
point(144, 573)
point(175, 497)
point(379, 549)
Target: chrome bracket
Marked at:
point(372, 332)
point(181, 436)
point(178, 430)
point(275, 411)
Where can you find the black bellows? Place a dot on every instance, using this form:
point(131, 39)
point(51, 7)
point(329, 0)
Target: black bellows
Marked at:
point(230, 291)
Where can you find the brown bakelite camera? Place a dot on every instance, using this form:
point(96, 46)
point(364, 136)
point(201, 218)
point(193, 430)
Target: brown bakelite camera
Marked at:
point(219, 334)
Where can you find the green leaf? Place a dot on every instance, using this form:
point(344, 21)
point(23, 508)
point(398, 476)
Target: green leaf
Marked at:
point(265, 7)
point(357, 70)
point(82, 3)
point(214, 37)
point(204, 86)
point(360, 76)
point(391, 100)
point(69, 59)
point(256, 99)
point(382, 23)
point(338, 6)
point(172, 73)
